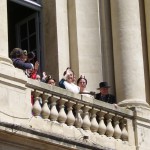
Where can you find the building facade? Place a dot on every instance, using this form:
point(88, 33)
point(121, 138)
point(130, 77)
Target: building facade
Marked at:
point(106, 40)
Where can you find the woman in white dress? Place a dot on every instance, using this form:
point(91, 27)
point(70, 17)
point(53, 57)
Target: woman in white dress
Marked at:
point(67, 82)
point(82, 82)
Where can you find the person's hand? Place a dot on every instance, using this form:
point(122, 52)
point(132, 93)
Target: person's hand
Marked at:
point(116, 106)
point(36, 66)
point(68, 72)
point(44, 74)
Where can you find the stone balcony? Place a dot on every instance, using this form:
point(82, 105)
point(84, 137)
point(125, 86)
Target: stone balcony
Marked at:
point(79, 118)
point(60, 119)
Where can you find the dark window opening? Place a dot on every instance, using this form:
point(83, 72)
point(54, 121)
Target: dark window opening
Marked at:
point(24, 28)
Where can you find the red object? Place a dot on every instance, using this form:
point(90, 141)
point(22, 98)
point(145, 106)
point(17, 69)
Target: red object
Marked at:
point(33, 75)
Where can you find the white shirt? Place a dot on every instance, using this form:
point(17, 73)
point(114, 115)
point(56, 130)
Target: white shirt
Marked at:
point(88, 95)
point(71, 87)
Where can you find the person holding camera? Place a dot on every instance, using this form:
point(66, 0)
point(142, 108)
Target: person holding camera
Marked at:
point(17, 57)
point(22, 60)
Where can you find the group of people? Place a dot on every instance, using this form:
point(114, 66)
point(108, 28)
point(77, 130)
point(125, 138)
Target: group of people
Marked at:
point(22, 60)
point(68, 82)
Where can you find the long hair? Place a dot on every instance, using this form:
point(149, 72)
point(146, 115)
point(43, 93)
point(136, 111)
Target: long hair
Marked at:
point(81, 77)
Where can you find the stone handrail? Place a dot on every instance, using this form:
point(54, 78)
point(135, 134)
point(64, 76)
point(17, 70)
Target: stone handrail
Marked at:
point(65, 107)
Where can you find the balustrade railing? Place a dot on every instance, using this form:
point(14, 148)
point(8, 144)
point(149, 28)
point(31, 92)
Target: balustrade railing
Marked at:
point(64, 107)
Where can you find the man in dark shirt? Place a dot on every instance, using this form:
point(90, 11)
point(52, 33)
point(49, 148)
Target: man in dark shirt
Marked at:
point(17, 57)
point(104, 93)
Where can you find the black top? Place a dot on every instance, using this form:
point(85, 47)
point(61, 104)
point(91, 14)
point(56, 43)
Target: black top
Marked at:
point(61, 83)
point(108, 98)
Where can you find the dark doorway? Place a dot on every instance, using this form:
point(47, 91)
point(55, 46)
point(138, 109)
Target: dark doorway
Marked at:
point(24, 27)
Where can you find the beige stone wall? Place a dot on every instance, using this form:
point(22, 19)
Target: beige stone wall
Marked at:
point(82, 38)
point(147, 39)
point(11, 141)
point(147, 14)
point(62, 33)
point(128, 52)
point(142, 128)
point(3, 29)
point(85, 41)
point(56, 43)
point(15, 97)
point(107, 43)
point(72, 37)
point(50, 38)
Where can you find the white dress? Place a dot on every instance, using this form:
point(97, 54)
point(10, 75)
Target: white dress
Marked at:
point(86, 94)
point(71, 87)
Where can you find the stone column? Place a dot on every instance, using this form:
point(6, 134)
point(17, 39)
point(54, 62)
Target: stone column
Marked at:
point(85, 40)
point(128, 57)
point(4, 33)
point(56, 39)
point(15, 99)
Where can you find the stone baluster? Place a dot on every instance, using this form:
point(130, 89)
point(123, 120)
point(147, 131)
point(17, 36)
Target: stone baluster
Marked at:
point(78, 118)
point(102, 126)
point(94, 123)
point(62, 117)
point(53, 110)
point(70, 117)
point(124, 135)
point(117, 130)
point(36, 106)
point(45, 109)
point(86, 119)
point(109, 128)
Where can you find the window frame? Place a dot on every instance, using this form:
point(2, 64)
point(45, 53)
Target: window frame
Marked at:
point(30, 4)
point(26, 20)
